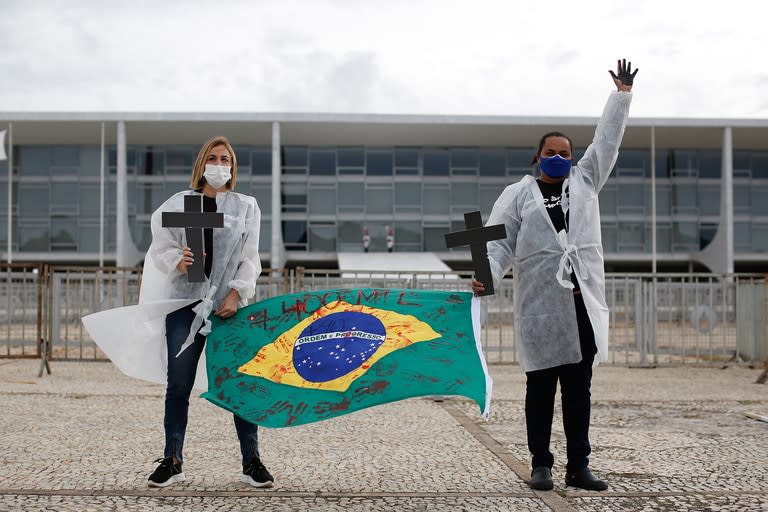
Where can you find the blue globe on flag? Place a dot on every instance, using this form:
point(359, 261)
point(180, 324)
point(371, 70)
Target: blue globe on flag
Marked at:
point(336, 344)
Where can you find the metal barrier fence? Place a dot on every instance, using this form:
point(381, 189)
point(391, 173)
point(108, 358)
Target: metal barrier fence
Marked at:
point(655, 319)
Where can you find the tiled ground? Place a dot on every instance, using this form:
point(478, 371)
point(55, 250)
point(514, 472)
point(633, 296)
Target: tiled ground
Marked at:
point(84, 438)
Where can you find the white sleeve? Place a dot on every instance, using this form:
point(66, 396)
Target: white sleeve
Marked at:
point(600, 157)
point(167, 243)
point(249, 268)
point(501, 253)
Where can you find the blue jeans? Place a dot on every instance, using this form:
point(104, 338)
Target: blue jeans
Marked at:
point(181, 377)
point(575, 383)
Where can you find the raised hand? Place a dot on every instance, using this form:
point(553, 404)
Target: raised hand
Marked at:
point(625, 76)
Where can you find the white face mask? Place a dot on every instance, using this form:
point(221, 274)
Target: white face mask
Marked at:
point(217, 175)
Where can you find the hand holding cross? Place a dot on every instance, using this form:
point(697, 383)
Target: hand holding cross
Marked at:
point(193, 220)
point(477, 236)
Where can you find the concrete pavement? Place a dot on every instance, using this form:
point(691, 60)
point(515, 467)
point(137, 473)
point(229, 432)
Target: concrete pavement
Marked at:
point(675, 439)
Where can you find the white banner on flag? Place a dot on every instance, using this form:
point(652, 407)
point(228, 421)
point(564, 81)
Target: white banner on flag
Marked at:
point(2, 145)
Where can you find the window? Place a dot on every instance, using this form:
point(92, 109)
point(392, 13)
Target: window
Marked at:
point(265, 236)
point(709, 199)
point(34, 161)
point(630, 236)
point(243, 157)
point(33, 235)
point(379, 163)
point(261, 162)
point(519, 161)
point(492, 162)
point(609, 236)
point(322, 200)
point(631, 199)
point(760, 237)
point(33, 201)
point(294, 197)
point(295, 234)
point(180, 159)
point(408, 236)
point(322, 162)
point(685, 236)
point(632, 162)
point(742, 236)
point(64, 197)
point(684, 163)
point(684, 197)
point(710, 164)
point(663, 199)
point(663, 237)
point(464, 162)
point(351, 160)
point(263, 194)
point(350, 197)
point(89, 238)
point(378, 199)
point(434, 237)
point(407, 161)
point(760, 165)
point(148, 197)
point(706, 234)
point(351, 236)
point(487, 196)
point(464, 195)
point(294, 159)
point(436, 199)
point(322, 236)
point(151, 162)
point(607, 198)
point(436, 162)
point(759, 200)
point(663, 159)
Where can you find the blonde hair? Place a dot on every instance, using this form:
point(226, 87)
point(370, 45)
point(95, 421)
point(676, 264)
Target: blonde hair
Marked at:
point(197, 171)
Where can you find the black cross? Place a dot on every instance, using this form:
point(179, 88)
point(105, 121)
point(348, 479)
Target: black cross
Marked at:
point(476, 236)
point(193, 220)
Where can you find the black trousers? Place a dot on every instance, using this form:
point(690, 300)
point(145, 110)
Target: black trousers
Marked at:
point(575, 382)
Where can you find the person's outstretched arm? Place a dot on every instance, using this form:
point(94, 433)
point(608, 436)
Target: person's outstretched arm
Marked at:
point(601, 155)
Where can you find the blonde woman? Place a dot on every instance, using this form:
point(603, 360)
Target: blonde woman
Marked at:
point(231, 263)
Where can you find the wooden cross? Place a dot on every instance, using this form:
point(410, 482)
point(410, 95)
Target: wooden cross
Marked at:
point(193, 220)
point(476, 237)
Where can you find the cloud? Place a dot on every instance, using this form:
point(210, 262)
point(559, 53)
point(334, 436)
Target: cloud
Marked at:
point(420, 56)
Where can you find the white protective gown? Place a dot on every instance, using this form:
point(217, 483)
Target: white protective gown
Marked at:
point(133, 337)
point(541, 259)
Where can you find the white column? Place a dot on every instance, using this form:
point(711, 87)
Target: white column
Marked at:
point(277, 250)
point(9, 253)
point(101, 200)
point(653, 199)
point(726, 202)
point(126, 253)
point(718, 255)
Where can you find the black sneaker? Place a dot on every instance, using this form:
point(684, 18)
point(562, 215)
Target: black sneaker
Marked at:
point(255, 474)
point(167, 473)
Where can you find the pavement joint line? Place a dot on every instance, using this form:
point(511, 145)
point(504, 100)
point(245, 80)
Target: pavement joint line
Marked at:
point(251, 492)
point(325, 494)
point(553, 500)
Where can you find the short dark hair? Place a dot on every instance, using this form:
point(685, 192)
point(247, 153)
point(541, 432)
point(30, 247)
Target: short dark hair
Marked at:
point(544, 140)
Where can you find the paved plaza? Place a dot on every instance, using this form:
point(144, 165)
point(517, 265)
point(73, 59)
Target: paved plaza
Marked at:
point(84, 438)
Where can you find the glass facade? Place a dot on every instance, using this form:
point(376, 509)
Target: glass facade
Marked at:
point(330, 193)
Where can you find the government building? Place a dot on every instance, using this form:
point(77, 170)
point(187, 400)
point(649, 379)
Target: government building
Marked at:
point(79, 188)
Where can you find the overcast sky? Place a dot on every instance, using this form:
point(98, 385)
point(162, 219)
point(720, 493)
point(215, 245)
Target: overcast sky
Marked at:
point(506, 57)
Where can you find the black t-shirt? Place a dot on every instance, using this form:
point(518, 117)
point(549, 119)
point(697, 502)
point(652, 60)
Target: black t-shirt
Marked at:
point(553, 200)
point(209, 205)
point(553, 195)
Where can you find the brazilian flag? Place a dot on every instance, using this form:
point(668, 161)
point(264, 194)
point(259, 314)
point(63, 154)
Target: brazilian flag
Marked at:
point(311, 356)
